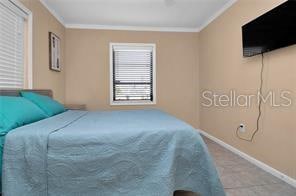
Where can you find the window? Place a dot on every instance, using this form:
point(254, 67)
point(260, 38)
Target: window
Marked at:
point(13, 72)
point(132, 74)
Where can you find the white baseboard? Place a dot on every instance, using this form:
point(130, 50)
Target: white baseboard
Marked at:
point(256, 162)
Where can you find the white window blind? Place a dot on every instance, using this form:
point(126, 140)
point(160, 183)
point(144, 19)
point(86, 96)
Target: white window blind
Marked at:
point(11, 47)
point(133, 68)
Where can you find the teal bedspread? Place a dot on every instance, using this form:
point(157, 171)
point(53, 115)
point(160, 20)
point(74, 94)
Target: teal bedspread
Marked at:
point(119, 153)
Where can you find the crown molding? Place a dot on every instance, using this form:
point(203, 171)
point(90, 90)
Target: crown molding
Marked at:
point(131, 28)
point(53, 12)
point(138, 28)
point(216, 15)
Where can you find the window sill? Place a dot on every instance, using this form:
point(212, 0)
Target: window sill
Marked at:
point(114, 103)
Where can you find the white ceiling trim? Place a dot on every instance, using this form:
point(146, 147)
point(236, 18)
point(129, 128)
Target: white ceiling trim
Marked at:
point(217, 14)
point(131, 28)
point(139, 28)
point(53, 12)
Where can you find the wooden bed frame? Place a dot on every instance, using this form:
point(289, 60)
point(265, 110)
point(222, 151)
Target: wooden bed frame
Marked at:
point(16, 92)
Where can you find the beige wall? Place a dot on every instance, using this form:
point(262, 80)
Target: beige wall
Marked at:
point(43, 23)
point(87, 74)
point(223, 68)
point(212, 58)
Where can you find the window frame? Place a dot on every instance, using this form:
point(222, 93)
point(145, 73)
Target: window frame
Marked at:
point(19, 8)
point(133, 102)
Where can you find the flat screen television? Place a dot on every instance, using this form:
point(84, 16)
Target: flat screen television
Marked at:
point(273, 30)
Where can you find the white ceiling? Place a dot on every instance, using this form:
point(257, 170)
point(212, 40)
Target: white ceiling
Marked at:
point(158, 15)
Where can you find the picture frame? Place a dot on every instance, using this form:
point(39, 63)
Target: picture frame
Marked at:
point(54, 52)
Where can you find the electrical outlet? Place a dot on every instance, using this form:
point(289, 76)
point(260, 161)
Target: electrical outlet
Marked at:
point(242, 128)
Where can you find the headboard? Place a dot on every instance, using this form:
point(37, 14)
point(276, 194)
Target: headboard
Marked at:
point(16, 92)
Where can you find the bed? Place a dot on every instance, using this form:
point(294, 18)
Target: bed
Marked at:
point(107, 153)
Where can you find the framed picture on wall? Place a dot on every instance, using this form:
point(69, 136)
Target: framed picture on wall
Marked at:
point(54, 52)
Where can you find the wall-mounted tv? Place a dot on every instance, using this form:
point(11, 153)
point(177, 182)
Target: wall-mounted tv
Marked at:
point(273, 30)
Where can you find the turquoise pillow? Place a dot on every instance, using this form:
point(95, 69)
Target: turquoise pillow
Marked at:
point(16, 112)
point(45, 103)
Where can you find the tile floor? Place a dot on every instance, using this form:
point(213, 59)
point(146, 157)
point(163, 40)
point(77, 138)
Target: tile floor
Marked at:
point(241, 178)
